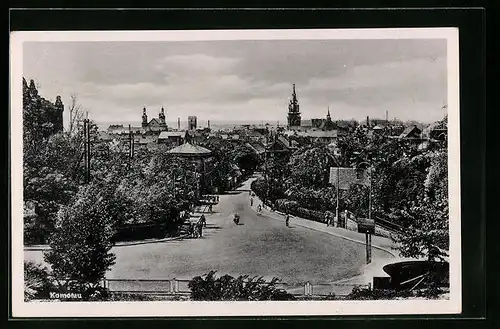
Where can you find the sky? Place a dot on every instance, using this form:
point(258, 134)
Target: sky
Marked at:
point(244, 80)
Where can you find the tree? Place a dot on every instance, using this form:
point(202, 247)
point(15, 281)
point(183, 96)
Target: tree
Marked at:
point(75, 114)
point(426, 218)
point(81, 243)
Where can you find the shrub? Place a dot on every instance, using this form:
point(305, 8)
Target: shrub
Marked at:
point(37, 283)
point(210, 288)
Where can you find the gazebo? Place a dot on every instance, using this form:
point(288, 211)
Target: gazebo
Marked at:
point(188, 150)
point(197, 156)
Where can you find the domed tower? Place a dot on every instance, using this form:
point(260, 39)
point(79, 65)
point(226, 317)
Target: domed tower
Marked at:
point(161, 116)
point(144, 118)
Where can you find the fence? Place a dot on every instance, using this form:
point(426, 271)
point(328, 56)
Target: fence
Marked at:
point(180, 287)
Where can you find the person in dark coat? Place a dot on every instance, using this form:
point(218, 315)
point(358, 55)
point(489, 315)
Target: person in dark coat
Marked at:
point(287, 219)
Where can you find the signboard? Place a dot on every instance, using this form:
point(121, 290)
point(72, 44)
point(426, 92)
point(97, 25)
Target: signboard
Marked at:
point(347, 177)
point(366, 225)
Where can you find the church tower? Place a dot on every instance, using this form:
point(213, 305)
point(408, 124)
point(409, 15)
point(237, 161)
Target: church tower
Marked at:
point(144, 118)
point(161, 116)
point(294, 119)
point(328, 124)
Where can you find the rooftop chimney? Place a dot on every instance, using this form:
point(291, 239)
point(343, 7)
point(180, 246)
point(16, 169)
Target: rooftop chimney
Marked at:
point(208, 124)
point(368, 121)
point(178, 123)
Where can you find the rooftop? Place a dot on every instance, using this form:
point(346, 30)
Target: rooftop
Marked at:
point(167, 134)
point(188, 149)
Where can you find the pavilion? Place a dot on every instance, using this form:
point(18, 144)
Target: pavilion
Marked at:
point(198, 156)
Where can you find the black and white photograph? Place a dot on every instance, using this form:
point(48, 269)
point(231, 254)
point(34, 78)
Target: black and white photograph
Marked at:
point(235, 173)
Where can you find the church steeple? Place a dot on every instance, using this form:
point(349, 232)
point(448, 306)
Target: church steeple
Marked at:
point(144, 118)
point(328, 117)
point(294, 118)
point(161, 116)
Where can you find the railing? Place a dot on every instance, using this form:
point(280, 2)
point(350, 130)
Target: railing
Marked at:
point(180, 287)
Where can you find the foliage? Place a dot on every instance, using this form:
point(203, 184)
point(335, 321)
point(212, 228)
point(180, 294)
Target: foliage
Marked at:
point(37, 283)
point(81, 243)
point(228, 288)
point(360, 293)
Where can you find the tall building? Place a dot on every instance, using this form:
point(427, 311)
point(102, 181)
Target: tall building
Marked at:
point(192, 123)
point(294, 118)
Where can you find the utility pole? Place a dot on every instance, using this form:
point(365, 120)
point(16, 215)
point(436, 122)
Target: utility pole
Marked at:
point(265, 171)
point(85, 152)
point(86, 148)
point(337, 193)
point(369, 236)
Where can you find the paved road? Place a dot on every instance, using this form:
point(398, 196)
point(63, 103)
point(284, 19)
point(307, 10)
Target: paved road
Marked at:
point(258, 246)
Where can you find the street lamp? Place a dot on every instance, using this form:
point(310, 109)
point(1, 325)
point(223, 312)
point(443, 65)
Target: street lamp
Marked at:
point(338, 189)
point(368, 235)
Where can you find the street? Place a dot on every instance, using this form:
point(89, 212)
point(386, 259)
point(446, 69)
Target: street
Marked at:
point(259, 246)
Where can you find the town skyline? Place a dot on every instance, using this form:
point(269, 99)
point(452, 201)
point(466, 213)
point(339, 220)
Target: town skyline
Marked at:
point(244, 81)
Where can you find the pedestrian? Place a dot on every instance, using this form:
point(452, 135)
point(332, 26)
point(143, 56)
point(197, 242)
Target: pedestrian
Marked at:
point(251, 202)
point(210, 208)
point(287, 220)
point(200, 229)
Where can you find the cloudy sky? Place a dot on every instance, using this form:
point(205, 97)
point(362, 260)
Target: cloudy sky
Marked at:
point(244, 80)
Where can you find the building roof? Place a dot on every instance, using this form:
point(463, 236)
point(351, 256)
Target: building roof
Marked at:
point(306, 123)
point(408, 131)
point(284, 141)
point(188, 149)
point(257, 147)
point(167, 134)
point(318, 133)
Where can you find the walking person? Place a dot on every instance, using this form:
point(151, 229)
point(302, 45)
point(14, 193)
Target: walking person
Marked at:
point(251, 202)
point(287, 220)
point(210, 208)
point(199, 227)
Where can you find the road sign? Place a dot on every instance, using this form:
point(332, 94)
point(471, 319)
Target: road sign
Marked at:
point(347, 177)
point(366, 226)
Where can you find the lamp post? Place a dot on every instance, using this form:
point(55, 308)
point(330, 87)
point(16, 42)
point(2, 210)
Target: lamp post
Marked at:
point(338, 189)
point(368, 235)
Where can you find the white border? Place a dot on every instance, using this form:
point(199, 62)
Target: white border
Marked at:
point(208, 309)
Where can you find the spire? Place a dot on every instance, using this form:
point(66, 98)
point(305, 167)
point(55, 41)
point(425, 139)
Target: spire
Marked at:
point(328, 117)
point(32, 88)
point(161, 116)
point(144, 117)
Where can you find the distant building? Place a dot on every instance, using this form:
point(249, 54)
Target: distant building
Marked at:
point(192, 123)
point(411, 132)
point(294, 118)
point(155, 124)
point(174, 138)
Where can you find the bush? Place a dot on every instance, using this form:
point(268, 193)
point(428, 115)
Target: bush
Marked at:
point(37, 283)
point(359, 293)
point(210, 288)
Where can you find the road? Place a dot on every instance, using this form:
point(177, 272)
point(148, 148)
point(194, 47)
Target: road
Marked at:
point(259, 246)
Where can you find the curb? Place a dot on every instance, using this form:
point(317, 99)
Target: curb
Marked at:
point(125, 244)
